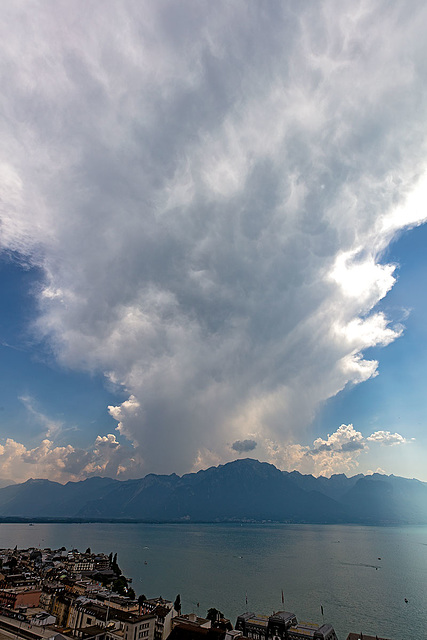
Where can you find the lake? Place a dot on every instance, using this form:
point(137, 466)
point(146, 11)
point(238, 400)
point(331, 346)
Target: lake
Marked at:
point(360, 575)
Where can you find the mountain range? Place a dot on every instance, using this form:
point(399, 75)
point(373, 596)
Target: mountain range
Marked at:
point(243, 490)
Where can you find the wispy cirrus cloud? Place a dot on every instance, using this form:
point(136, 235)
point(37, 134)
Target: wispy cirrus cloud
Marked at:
point(50, 427)
point(209, 191)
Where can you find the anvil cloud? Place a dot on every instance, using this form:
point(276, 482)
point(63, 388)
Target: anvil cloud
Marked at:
point(209, 190)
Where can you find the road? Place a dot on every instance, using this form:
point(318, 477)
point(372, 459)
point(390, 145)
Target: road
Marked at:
point(11, 628)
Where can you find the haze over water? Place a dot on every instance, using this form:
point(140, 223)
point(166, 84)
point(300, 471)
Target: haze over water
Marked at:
point(217, 565)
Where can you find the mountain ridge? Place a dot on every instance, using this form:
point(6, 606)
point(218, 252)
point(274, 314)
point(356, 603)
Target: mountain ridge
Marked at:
point(242, 490)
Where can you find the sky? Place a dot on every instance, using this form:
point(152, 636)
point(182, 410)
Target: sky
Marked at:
point(212, 232)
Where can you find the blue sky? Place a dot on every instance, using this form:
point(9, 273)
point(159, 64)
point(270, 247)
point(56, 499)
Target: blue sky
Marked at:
point(212, 237)
point(395, 399)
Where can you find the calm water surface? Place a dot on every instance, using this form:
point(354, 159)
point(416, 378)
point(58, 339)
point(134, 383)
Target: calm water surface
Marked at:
point(217, 565)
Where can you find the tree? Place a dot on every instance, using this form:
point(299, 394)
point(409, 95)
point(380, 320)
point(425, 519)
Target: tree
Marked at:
point(88, 551)
point(141, 600)
point(120, 585)
point(177, 604)
point(131, 593)
point(214, 614)
point(115, 567)
point(104, 580)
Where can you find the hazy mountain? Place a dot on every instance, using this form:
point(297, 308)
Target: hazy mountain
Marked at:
point(334, 487)
point(379, 498)
point(39, 498)
point(240, 490)
point(245, 489)
point(30, 497)
point(4, 482)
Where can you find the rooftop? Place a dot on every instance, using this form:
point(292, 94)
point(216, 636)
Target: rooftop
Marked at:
point(364, 636)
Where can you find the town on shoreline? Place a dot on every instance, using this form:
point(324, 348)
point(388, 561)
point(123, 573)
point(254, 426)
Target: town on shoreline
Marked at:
point(60, 594)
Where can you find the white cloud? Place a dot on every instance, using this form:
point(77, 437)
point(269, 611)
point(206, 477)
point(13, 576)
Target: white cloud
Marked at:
point(340, 452)
point(128, 410)
point(377, 470)
point(364, 280)
point(387, 438)
point(106, 457)
point(208, 192)
point(345, 438)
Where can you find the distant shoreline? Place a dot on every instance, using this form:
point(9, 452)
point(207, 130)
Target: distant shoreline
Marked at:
point(59, 520)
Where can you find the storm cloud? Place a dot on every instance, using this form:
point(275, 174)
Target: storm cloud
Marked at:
point(209, 190)
point(243, 446)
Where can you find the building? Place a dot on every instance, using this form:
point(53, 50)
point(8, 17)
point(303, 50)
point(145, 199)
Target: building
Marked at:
point(20, 597)
point(85, 613)
point(261, 627)
point(89, 618)
point(18, 580)
point(164, 612)
point(60, 607)
point(82, 564)
point(282, 625)
point(363, 636)
point(102, 562)
point(114, 601)
point(42, 619)
point(188, 631)
point(191, 619)
point(140, 627)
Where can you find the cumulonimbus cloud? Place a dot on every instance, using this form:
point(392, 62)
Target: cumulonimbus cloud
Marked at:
point(208, 191)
